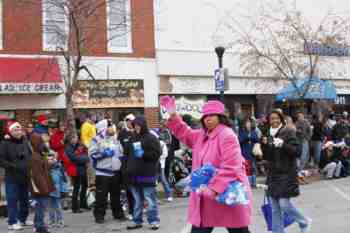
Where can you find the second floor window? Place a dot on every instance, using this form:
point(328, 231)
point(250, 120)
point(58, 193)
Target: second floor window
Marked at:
point(119, 37)
point(55, 25)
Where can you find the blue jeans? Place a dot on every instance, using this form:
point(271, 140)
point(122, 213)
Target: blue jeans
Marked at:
point(317, 145)
point(17, 202)
point(305, 155)
point(252, 178)
point(149, 194)
point(55, 210)
point(281, 206)
point(168, 191)
point(39, 212)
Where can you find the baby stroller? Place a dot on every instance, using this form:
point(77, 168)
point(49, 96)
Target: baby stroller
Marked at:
point(180, 169)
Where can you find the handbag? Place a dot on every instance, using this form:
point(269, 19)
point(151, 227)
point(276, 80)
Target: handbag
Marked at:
point(266, 209)
point(90, 198)
point(257, 150)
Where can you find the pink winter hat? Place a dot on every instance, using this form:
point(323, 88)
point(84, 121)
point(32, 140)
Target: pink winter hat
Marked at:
point(213, 107)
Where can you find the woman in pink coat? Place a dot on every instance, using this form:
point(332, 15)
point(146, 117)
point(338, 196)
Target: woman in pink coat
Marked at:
point(215, 144)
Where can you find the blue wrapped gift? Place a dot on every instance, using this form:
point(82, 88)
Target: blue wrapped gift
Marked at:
point(202, 176)
point(138, 150)
point(235, 194)
point(108, 153)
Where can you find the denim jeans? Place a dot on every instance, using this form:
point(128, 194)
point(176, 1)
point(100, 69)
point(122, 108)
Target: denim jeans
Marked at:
point(150, 195)
point(252, 178)
point(55, 210)
point(39, 212)
point(305, 155)
point(284, 205)
point(167, 189)
point(17, 202)
point(317, 147)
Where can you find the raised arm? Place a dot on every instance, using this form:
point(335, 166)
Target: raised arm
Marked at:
point(182, 131)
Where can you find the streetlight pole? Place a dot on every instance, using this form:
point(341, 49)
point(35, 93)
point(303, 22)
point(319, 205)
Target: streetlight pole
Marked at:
point(220, 53)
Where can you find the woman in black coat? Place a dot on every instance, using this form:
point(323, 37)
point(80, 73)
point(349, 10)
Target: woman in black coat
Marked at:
point(280, 149)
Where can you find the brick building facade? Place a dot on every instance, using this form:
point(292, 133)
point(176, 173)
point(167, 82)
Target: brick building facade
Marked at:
point(130, 56)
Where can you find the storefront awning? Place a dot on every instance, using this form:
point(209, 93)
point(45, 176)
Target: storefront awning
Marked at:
point(314, 88)
point(30, 76)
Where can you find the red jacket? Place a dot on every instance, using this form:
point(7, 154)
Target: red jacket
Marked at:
point(57, 144)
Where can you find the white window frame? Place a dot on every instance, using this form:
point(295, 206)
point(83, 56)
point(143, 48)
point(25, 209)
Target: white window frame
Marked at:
point(128, 48)
point(51, 47)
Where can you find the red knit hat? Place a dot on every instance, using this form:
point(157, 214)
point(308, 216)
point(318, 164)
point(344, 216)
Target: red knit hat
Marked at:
point(11, 125)
point(41, 119)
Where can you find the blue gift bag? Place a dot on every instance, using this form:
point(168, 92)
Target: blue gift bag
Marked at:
point(138, 150)
point(235, 194)
point(266, 209)
point(108, 153)
point(202, 176)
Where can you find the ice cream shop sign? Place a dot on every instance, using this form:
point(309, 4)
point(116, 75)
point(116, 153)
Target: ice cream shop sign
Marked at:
point(31, 88)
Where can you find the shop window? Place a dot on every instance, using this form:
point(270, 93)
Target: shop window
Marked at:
point(119, 26)
point(116, 115)
point(55, 25)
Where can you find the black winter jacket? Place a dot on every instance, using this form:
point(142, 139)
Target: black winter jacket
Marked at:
point(143, 171)
point(319, 131)
point(339, 132)
point(14, 158)
point(282, 165)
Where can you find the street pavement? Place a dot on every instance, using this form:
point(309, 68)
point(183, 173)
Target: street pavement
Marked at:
point(326, 202)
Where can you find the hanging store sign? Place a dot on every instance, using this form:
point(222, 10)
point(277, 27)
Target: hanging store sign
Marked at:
point(332, 50)
point(109, 94)
point(221, 79)
point(31, 88)
point(190, 106)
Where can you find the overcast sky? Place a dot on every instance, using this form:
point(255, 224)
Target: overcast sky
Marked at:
point(191, 24)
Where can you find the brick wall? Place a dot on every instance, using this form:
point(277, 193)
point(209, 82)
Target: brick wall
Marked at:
point(152, 116)
point(24, 117)
point(22, 22)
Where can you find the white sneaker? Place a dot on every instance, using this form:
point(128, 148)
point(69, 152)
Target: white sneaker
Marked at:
point(307, 229)
point(27, 223)
point(170, 199)
point(154, 226)
point(15, 227)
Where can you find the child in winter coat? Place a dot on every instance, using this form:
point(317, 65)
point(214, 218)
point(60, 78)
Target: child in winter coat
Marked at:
point(60, 182)
point(40, 183)
point(78, 155)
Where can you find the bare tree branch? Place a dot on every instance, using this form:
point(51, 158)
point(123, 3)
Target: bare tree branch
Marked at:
point(271, 41)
